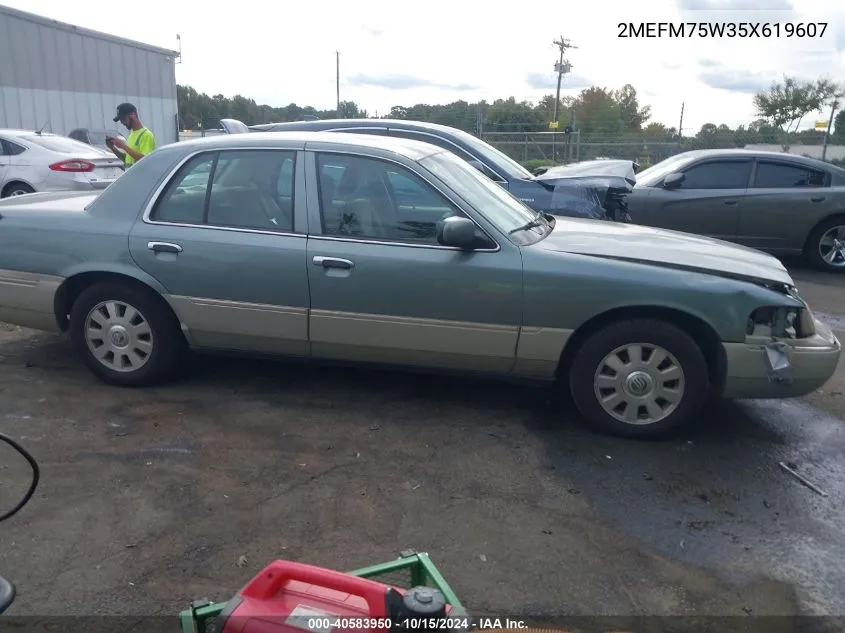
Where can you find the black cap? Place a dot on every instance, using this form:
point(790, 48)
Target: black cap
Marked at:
point(123, 109)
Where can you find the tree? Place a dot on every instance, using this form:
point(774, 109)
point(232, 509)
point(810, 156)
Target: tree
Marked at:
point(633, 116)
point(598, 113)
point(786, 104)
point(839, 126)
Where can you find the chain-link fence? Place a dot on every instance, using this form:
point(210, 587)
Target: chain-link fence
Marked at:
point(555, 147)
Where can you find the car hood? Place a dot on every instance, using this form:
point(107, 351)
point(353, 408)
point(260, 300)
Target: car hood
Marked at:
point(660, 247)
point(614, 174)
point(588, 189)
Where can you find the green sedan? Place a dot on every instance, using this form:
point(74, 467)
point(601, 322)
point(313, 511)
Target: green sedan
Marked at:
point(331, 247)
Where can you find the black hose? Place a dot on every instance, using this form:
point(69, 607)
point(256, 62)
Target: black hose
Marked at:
point(36, 473)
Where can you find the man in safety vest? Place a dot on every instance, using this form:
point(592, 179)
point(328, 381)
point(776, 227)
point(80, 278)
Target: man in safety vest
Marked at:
point(141, 140)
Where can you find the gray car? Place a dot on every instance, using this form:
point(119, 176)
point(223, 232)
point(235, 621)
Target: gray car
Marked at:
point(594, 189)
point(777, 202)
point(96, 137)
point(361, 248)
point(31, 162)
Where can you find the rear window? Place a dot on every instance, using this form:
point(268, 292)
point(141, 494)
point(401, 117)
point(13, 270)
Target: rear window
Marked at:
point(60, 144)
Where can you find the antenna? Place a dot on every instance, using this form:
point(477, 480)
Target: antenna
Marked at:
point(42, 128)
point(179, 56)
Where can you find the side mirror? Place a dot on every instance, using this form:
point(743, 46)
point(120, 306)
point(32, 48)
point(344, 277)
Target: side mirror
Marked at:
point(456, 231)
point(673, 181)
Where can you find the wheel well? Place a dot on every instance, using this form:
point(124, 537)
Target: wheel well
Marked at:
point(704, 335)
point(9, 185)
point(838, 215)
point(73, 286)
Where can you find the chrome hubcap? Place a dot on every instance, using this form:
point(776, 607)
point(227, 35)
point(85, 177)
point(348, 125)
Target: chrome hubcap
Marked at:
point(18, 192)
point(639, 383)
point(832, 246)
point(118, 336)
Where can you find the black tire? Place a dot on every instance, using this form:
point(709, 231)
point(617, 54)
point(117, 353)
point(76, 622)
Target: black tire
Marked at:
point(168, 351)
point(16, 189)
point(811, 248)
point(649, 332)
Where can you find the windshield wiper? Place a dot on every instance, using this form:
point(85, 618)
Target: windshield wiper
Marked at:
point(539, 220)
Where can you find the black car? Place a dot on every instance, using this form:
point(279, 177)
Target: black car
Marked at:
point(593, 189)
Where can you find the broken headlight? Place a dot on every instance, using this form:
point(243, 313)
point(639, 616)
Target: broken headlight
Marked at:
point(780, 322)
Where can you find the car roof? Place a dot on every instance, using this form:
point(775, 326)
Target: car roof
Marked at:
point(411, 149)
point(18, 132)
point(757, 153)
point(325, 124)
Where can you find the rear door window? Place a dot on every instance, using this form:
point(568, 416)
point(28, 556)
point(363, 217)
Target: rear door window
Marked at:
point(773, 175)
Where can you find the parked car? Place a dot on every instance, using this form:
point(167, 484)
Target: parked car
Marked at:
point(97, 138)
point(362, 248)
point(560, 191)
point(31, 162)
point(777, 202)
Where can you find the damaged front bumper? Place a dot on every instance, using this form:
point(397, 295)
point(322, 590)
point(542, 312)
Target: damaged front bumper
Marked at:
point(781, 368)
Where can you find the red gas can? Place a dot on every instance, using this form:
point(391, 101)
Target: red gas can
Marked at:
point(288, 597)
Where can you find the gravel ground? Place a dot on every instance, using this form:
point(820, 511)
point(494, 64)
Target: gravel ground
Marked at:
point(151, 498)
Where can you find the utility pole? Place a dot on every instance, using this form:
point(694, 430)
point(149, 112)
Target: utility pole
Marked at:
point(337, 81)
point(562, 66)
point(833, 108)
point(681, 124)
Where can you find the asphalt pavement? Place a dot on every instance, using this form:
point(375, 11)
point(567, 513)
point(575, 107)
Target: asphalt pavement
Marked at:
point(152, 498)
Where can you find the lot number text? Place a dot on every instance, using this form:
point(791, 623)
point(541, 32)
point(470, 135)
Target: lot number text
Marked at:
point(722, 29)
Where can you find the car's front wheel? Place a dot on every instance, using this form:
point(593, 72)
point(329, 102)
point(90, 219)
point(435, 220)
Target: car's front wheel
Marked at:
point(639, 378)
point(126, 335)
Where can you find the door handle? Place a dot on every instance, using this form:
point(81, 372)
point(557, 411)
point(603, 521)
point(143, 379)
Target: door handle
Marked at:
point(332, 262)
point(731, 202)
point(817, 199)
point(164, 247)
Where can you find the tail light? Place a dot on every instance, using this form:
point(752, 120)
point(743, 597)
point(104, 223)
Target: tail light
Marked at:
point(73, 165)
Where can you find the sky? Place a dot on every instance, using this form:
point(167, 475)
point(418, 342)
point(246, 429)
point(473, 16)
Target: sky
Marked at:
point(437, 51)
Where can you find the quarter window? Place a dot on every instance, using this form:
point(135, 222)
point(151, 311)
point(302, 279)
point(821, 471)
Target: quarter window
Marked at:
point(371, 198)
point(718, 175)
point(782, 176)
point(7, 148)
point(246, 189)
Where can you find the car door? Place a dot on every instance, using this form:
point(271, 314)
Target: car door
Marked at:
point(708, 201)
point(384, 290)
point(785, 201)
point(226, 237)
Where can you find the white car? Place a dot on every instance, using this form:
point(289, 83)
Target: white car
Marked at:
point(32, 162)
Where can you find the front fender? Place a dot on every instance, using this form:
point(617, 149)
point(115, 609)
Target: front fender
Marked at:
point(565, 290)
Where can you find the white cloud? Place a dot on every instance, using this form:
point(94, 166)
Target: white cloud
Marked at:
point(439, 51)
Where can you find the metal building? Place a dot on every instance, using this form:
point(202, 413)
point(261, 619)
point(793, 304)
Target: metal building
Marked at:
point(61, 77)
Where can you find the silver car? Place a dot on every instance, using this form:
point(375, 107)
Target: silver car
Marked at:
point(32, 162)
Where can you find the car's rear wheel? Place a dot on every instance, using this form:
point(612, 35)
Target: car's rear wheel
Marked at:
point(825, 247)
point(639, 378)
point(16, 189)
point(126, 335)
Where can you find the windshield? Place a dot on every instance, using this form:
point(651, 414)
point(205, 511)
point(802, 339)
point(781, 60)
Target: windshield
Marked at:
point(662, 169)
point(513, 170)
point(61, 144)
point(491, 200)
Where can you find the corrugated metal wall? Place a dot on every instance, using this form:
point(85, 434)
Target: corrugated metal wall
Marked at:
point(64, 78)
